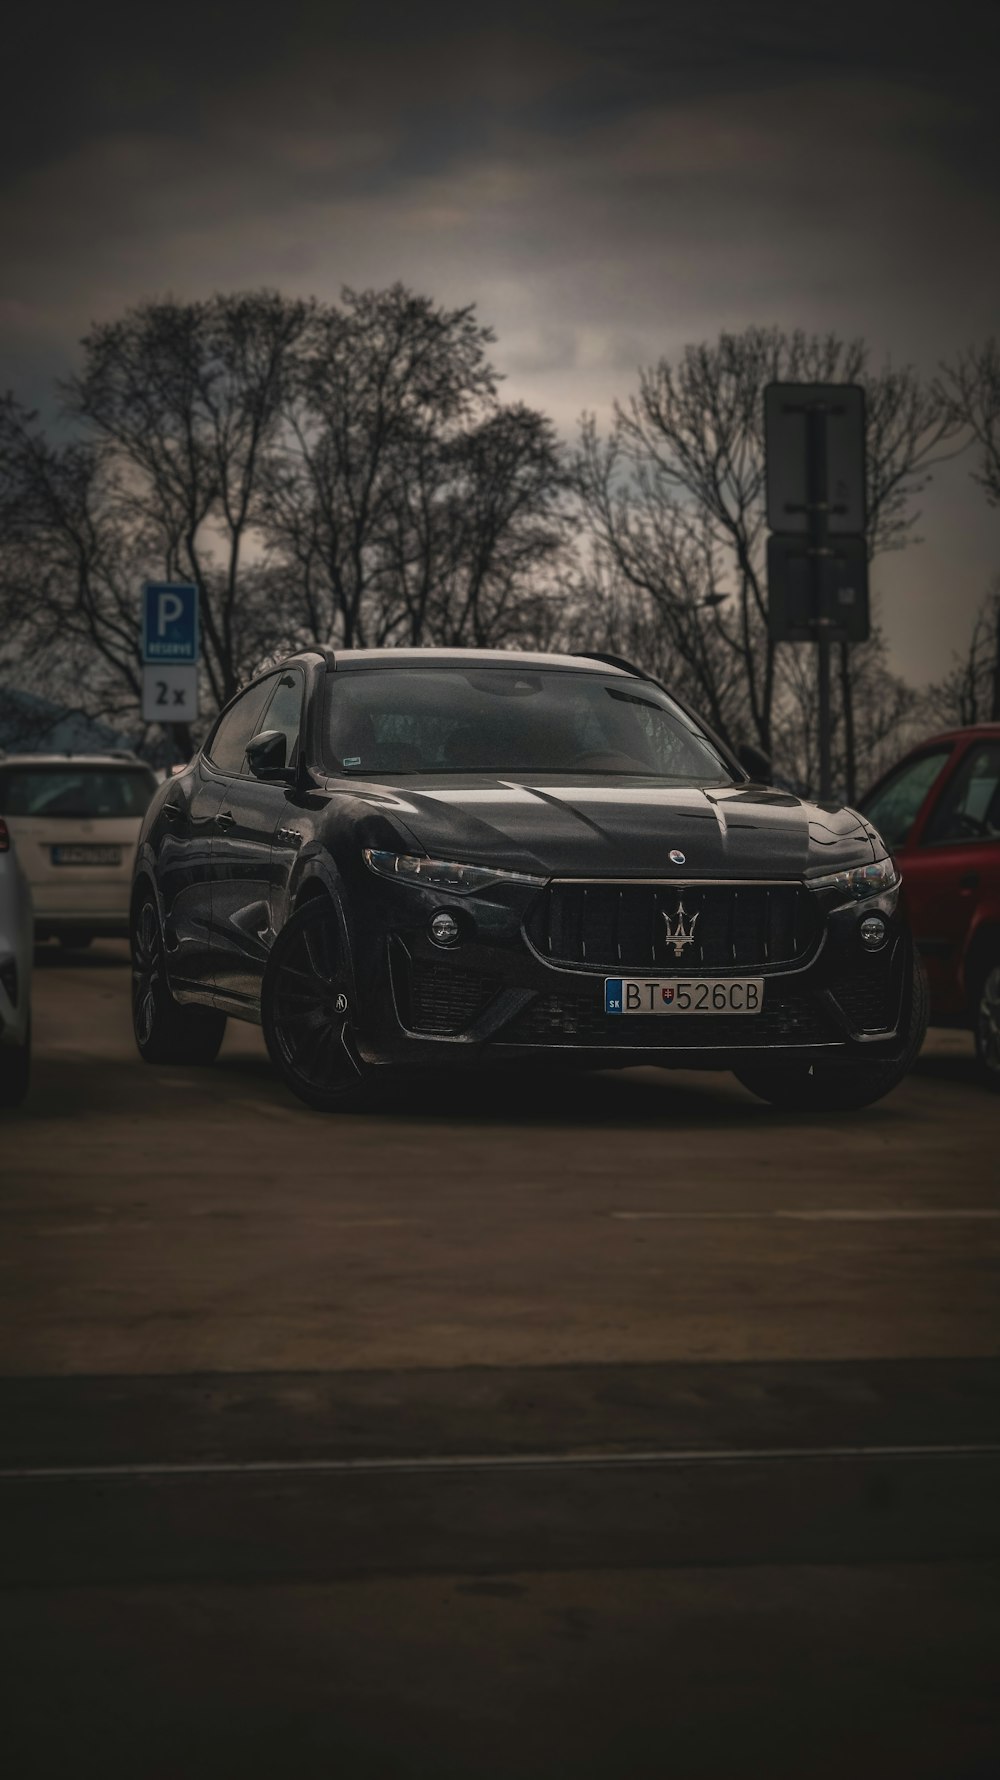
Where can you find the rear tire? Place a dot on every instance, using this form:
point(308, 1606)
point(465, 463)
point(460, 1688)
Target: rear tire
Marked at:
point(987, 1024)
point(15, 1072)
point(165, 1032)
point(845, 1087)
point(306, 1013)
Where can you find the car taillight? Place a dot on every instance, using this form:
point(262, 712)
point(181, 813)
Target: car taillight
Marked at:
point(4, 837)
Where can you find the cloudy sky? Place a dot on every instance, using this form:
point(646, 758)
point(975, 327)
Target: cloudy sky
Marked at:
point(607, 182)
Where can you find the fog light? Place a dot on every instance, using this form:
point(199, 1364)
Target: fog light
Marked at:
point(873, 932)
point(444, 930)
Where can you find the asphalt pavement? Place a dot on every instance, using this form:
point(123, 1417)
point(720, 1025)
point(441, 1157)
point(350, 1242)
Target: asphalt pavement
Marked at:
point(609, 1426)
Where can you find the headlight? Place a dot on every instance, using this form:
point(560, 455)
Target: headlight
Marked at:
point(443, 874)
point(862, 881)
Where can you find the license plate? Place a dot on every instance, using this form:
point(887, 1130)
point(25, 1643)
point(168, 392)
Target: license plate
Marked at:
point(83, 855)
point(683, 995)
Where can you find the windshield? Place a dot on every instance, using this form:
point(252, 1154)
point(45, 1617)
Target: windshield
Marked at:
point(895, 805)
point(75, 790)
point(501, 720)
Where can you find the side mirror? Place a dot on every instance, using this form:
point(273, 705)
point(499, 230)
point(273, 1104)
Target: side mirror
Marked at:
point(755, 762)
point(266, 756)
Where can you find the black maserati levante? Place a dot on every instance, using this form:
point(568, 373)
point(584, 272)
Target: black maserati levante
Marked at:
point(440, 858)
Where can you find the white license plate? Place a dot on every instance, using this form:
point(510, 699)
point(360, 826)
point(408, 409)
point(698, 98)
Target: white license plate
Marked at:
point(683, 995)
point(84, 855)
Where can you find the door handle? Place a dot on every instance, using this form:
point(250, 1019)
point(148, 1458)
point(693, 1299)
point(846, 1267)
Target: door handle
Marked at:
point(969, 881)
point(225, 819)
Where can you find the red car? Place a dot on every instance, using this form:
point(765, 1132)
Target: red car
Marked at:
point(938, 811)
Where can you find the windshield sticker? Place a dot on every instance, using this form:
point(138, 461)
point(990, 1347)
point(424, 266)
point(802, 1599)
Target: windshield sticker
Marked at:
point(352, 760)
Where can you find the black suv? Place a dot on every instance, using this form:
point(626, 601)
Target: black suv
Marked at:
point(442, 858)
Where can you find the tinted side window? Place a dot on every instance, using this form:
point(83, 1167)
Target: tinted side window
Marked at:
point(894, 806)
point(228, 744)
point(969, 809)
point(284, 712)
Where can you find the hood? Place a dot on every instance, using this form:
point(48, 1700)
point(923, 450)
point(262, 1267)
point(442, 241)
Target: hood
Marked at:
point(622, 827)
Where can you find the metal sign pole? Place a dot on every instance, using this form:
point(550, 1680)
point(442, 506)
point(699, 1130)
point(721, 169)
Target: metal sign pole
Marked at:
point(817, 560)
point(819, 550)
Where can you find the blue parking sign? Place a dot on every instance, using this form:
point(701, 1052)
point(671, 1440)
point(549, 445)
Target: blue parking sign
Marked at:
point(169, 621)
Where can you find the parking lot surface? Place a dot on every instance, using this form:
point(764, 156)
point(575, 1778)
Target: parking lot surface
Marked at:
point(596, 1426)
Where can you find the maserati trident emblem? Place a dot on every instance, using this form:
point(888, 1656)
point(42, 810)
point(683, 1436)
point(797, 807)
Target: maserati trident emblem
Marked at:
point(679, 935)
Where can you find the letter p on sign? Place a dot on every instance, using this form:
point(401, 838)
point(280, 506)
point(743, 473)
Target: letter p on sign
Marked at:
point(169, 607)
point(170, 623)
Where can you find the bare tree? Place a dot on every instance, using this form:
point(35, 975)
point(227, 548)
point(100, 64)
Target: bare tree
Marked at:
point(970, 387)
point(319, 472)
point(653, 581)
point(406, 504)
point(970, 691)
point(473, 530)
point(675, 498)
point(69, 573)
point(182, 402)
point(883, 705)
point(379, 383)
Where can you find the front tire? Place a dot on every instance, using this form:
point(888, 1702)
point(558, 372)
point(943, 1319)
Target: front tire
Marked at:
point(306, 1012)
point(987, 1025)
point(845, 1087)
point(165, 1032)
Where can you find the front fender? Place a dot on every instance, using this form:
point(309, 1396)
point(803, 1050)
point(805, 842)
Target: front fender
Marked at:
point(313, 866)
point(144, 865)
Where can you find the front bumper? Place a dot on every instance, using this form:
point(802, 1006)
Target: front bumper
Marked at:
point(78, 902)
point(494, 999)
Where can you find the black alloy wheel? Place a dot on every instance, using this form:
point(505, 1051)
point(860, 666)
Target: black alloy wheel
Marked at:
point(166, 1032)
point(306, 1012)
point(987, 1026)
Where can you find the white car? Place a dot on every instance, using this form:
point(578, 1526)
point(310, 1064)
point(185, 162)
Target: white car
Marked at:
point(75, 820)
point(16, 944)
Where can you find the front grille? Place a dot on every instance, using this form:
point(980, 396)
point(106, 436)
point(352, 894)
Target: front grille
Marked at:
point(618, 927)
point(789, 1017)
point(440, 998)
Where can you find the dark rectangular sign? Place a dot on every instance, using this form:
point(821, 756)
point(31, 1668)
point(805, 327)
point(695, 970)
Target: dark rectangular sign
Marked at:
point(799, 597)
point(802, 468)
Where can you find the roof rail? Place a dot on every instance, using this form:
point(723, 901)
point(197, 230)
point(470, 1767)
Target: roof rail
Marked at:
point(615, 661)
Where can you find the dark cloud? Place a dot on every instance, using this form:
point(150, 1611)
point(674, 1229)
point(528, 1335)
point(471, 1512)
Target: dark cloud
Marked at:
point(607, 181)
